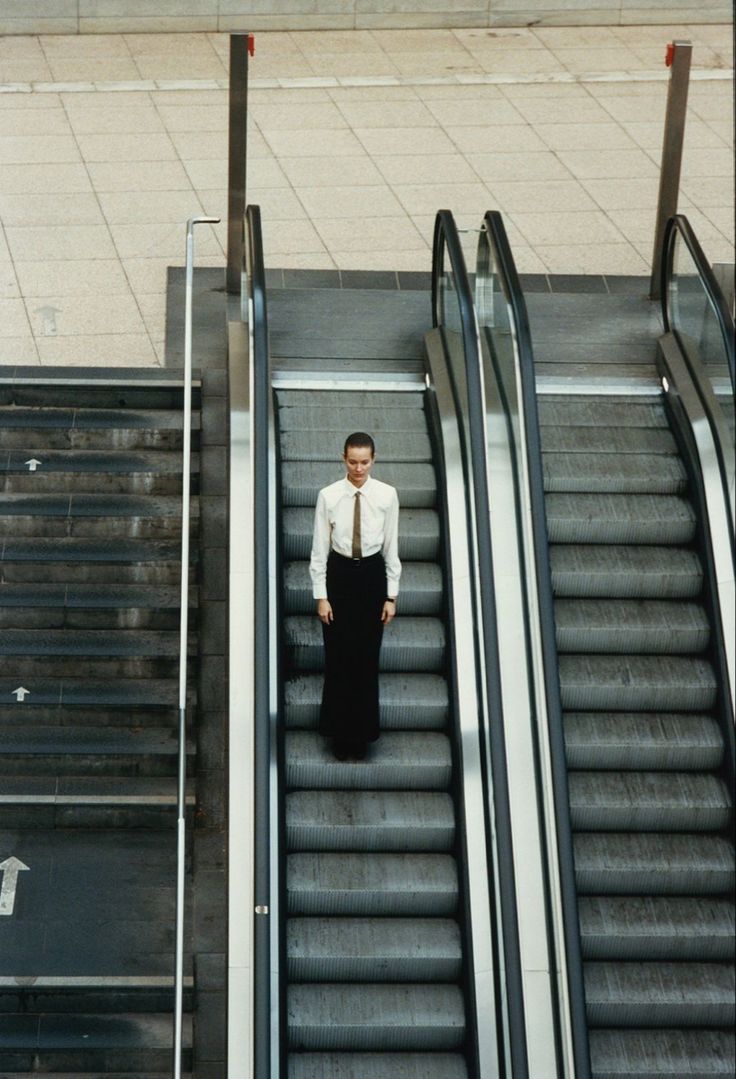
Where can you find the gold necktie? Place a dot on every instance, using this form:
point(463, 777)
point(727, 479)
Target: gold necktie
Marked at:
point(357, 549)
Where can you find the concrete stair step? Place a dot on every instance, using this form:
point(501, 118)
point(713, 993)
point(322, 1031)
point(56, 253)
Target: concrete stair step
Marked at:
point(607, 412)
point(406, 701)
point(636, 683)
point(375, 1017)
point(121, 505)
point(416, 483)
point(656, 927)
point(419, 534)
point(659, 994)
point(17, 461)
point(331, 885)
point(26, 670)
point(622, 625)
point(620, 863)
point(644, 473)
point(84, 692)
point(648, 802)
point(90, 751)
point(373, 950)
point(369, 821)
point(326, 444)
point(86, 596)
point(409, 644)
point(619, 519)
point(62, 802)
point(662, 1054)
point(377, 1066)
point(421, 589)
point(627, 741)
point(625, 572)
point(18, 531)
point(586, 440)
point(64, 390)
point(85, 1043)
point(398, 761)
point(51, 642)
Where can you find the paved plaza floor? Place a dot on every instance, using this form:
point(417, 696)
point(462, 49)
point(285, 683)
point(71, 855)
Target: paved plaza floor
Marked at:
point(108, 143)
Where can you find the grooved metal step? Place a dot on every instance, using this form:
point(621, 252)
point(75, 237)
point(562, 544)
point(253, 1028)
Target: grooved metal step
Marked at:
point(326, 444)
point(372, 884)
point(619, 625)
point(589, 439)
point(662, 1054)
point(373, 949)
point(406, 701)
point(371, 1017)
point(656, 927)
point(619, 518)
point(377, 1066)
point(653, 864)
point(648, 801)
point(636, 683)
point(409, 644)
point(341, 420)
point(659, 994)
point(625, 572)
point(419, 533)
point(627, 741)
point(615, 473)
point(369, 821)
point(398, 761)
point(610, 412)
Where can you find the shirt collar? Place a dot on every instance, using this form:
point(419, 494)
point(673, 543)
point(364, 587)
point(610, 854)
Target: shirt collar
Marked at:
point(350, 488)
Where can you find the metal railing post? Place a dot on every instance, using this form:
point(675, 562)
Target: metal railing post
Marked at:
point(679, 55)
point(241, 47)
point(183, 636)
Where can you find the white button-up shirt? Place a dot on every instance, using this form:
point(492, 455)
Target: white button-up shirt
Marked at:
point(333, 529)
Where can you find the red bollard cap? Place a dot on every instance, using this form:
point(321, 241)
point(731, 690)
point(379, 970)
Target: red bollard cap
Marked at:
point(670, 54)
point(251, 44)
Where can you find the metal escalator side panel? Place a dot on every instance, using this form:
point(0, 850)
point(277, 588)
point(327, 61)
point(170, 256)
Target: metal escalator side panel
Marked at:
point(466, 652)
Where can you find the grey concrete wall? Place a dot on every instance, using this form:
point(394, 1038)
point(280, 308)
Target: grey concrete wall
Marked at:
point(154, 16)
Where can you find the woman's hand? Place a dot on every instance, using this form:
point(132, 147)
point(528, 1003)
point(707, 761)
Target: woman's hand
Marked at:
point(388, 613)
point(324, 611)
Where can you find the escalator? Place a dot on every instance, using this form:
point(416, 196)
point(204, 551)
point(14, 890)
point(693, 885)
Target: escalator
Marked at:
point(643, 719)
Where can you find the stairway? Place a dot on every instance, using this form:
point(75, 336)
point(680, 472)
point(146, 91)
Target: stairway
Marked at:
point(90, 519)
point(650, 811)
point(373, 936)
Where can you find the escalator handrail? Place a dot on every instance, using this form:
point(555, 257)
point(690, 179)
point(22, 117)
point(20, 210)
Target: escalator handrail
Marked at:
point(680, 226)
point(509, 279)
point(255, 279)
point(446, 239)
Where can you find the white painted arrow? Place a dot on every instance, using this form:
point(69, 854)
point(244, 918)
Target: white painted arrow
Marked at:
point(33, 464)
point(12, 867)
point(20, 693)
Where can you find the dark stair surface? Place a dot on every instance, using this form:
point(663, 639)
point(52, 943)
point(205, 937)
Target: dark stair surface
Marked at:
point(650, 810)
point(90, 520)
point(374, 942)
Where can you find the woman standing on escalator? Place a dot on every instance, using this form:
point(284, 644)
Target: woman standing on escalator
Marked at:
point(355, 572)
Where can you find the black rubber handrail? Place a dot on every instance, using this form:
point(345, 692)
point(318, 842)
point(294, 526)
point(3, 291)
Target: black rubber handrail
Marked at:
point(509, 280)
point(446, 239)
point(679, 226)
point(261, 388)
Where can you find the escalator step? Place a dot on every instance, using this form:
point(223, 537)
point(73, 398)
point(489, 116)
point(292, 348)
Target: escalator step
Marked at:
point(369, 821)
point(377, 1066)
point(656, 927)
point(372, 884)
point(419, 534)
point(620, 625)
point(342, 419)
point(376, 1017)
point(662, 1054)
point(659, 994)
point(614, 473)
point(585, 440)
point(409, 644)
point(421, 588)
point(373, 949)
point(619, 518)
point(634, 683)
point(326, 444)
point(362, 403)
point(407, 701)
point(627, 741)
point(415, 483)
point(601, 412)
point(625, 572)
point(653, 864)
point(398, 761)
point(647, 802)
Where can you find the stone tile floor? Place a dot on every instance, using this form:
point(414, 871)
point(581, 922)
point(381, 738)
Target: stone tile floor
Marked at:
point(108, 143)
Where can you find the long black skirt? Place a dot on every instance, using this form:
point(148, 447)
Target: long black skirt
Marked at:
point(356, 590)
